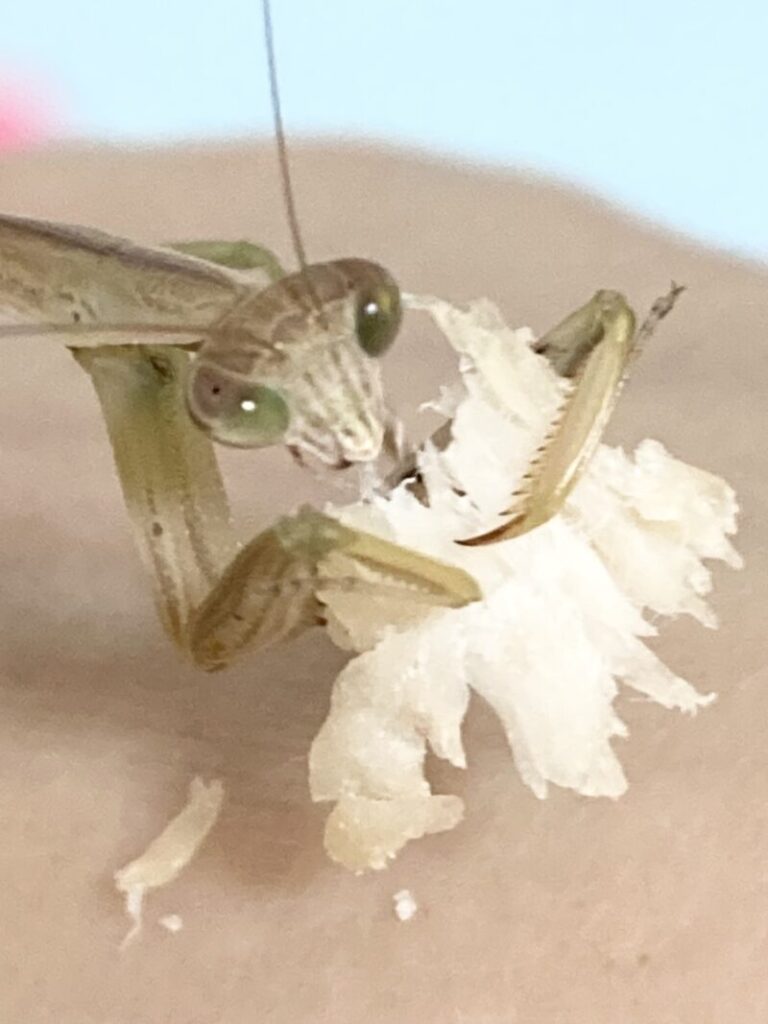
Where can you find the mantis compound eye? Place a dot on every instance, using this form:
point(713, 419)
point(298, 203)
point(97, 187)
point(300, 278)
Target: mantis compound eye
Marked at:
point(236, 412)
point(377, 318)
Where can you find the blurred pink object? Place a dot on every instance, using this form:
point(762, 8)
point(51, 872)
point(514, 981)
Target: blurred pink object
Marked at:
point(26, 116)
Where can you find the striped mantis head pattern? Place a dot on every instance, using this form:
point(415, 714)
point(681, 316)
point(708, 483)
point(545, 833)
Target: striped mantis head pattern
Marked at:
point(212, 341)
point(296, 364)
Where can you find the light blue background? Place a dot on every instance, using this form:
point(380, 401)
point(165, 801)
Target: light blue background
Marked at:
point(659, 105)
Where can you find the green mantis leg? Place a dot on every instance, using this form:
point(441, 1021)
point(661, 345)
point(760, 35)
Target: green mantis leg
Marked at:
point(168, 472)
point(593, 347)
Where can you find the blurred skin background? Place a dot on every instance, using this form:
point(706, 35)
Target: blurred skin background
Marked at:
point(656, 106)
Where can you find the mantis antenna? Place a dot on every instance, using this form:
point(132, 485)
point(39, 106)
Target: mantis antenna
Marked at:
point(282, 156)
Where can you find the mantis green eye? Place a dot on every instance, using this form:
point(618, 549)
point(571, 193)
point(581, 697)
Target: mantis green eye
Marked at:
point(377, 319)
point(236, 412)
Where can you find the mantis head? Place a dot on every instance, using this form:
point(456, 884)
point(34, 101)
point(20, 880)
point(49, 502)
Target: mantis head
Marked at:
point(298, 364)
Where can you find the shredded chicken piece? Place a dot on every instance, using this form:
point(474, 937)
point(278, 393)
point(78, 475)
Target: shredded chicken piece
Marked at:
point(170, 852)
point(564, 617)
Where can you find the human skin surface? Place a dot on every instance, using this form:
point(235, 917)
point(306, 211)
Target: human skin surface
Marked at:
point(649, 910)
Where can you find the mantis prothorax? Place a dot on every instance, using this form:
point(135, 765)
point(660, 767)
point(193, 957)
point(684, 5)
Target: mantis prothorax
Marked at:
point(212, 341)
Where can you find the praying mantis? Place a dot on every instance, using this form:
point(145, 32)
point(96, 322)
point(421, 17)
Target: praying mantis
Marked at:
point(213, 343)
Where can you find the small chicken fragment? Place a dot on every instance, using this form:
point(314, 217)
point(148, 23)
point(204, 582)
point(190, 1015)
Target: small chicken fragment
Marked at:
point(405, 905)
point(169, 853)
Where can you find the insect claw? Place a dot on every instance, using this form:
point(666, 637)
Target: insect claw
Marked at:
point(506, 531)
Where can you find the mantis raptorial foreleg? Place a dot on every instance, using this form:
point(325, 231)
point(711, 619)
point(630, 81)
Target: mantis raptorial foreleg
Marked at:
point(592, 346)
point(213, 601)
point(269, 592)
point(168, 473)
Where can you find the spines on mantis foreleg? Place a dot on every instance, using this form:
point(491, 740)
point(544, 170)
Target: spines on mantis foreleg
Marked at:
point(593, 346)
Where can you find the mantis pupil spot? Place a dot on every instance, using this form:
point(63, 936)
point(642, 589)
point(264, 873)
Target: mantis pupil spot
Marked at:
point(234, 411)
